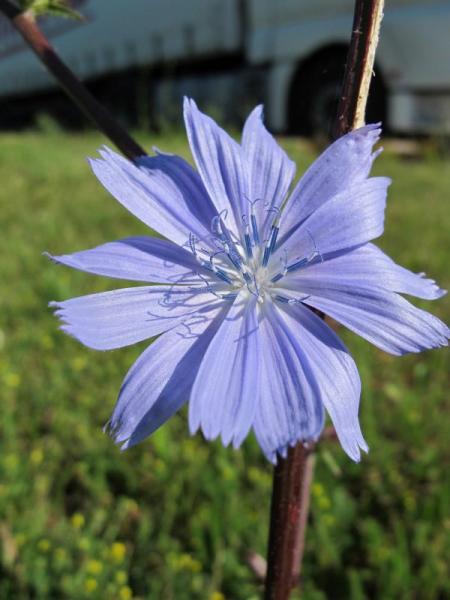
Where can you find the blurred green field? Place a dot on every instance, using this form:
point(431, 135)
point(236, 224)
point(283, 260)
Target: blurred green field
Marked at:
point(174, 518)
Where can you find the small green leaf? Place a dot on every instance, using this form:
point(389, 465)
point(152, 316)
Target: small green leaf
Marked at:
point(57, 8)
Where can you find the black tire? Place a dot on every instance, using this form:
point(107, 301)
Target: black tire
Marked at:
point(315, 95)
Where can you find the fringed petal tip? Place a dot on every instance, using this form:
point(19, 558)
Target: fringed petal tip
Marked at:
point(51, 257)
point(235, 440)
point(272, 454)
point(113, 431)
point(58, 309)
point(210, 435)
point(372, 129)
point(189, 105)
point(108, 158)
point(59, 313)
point(368, 135)
point(438, 336)
point(282, 451)
point(354, 450)
point(431, 289)
point(104, 153)
point(188, 101)
point(71, 331)
point(87, 339)
point(108, 153)
point(68, 260)
point(95, 164)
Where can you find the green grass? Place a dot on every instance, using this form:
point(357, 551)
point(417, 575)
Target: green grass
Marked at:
point(175, 517)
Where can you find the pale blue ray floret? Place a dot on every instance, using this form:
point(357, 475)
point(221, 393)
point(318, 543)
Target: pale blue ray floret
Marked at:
point(237, 285)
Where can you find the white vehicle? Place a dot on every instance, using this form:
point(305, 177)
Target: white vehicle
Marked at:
point(231, 53)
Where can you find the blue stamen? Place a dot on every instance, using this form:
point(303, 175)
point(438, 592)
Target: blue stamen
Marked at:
point(253, 221)
point(210, 289)
point(277, 277)
point(256, 239)
point(271, 244)
point(273, 238)
point(286, 300)
point(247, 238)
point(282, 299)
point(222, 275)
point(208, 285)
point(234, 258)
point(297, 265)
point(266, 256)
point(229, 296)
point(207, 266)
point(192, 244)
point(248, 245)
point(219, 229)
point(247, 277)
point(255, 283)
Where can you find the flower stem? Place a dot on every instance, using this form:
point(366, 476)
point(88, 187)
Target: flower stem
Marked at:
point(288, 517)
point(293, 475)
point(101, 117)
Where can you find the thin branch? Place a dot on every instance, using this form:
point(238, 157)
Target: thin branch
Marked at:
point(359, 67)
point(101, 117)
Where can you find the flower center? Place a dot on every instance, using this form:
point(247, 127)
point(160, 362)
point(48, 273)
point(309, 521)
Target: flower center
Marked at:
point(247, 264)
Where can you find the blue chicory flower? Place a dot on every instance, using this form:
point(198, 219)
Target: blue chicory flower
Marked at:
point(237, 277)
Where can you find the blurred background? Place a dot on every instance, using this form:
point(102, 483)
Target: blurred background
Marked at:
point(142, 56)
point(176, 518)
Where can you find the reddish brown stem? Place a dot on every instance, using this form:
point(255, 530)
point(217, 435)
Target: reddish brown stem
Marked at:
point(293, 475)
point(289, 509)
point(100, 116)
